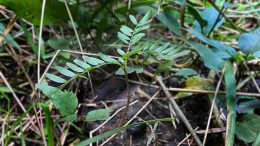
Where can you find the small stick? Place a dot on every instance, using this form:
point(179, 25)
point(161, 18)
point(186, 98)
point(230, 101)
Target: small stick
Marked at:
point(178, 110)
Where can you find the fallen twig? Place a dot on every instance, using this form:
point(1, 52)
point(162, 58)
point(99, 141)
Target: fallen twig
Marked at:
point(178, 111)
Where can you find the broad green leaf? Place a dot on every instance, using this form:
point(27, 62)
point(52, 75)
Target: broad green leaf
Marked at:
point(133, 20)
point(74, 67)
point(247, 104)
point(69, 118)
point(226, 51)
point(210, 59)
point(210, 15)
point(60, 44)
point(186, 72)
point(250, 42)
point(117, 130)
point(97, 115)
point(248, 127)
point(123, 37)
point(257, 140)
point(197, 16)
point(257, 54)
point(64, 71)
point(167, 17)
point(55, 11)
point(107, 58)
point(230, 81)
point(92, 60)
point(81, 63)
point(126, 30)
point(66, 102)
point(55, 78)
point(137, 38)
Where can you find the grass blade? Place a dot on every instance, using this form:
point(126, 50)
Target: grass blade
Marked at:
point(231, 104)
point(117, 130)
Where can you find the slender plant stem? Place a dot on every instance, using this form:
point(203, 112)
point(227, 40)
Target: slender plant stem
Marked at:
point(128, 97)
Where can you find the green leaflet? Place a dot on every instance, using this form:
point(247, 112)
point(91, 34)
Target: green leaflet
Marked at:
point(126, 30)
point(133, 20)
point(107, 58)
point(99, 114)
point(230, 81)
point(92, 60)
point(167, 17)
point(81, 63)
point(64, 71)
point(74, 67)
point(55, 78)
point(55, 11)
point(124, 38)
